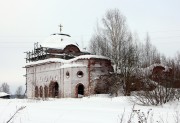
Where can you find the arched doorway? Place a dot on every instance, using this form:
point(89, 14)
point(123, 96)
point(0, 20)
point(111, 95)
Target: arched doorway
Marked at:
point(80, 90)
point(41, 91)
point(53, 89)
point(36, 92)
point(45, 91)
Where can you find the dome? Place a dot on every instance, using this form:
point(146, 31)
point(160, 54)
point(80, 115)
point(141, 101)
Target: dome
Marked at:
point(59, 41)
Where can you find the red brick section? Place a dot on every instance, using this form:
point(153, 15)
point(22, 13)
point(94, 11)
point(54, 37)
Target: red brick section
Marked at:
point(71, 49)
point(157, 73)
point(105, 67)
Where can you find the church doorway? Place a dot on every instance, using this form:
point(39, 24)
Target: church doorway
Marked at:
point(53, 89)
point(80, 90)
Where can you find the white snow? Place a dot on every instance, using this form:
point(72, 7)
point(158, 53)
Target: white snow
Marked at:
point(58, 41)
point(65, 61)
point(2, 94)
point(93, 109)
point(148, 70)
point(72, 65)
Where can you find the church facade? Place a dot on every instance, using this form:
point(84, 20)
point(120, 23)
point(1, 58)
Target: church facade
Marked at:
point(58, 68)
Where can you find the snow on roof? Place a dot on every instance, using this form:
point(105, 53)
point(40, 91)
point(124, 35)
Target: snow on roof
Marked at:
point(2, 94)
point(148, 70)
point(72, 65)
point(58, 41)
point(90, 56)
point(50, 60)
point(139, 72)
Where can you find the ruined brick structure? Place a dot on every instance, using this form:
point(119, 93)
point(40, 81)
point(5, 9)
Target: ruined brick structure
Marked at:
point(59, 68)
point(156, 74)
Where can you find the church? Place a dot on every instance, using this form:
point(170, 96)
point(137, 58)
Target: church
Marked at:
point(58, 68)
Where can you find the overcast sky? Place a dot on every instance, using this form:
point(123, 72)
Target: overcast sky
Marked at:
point(23, 22)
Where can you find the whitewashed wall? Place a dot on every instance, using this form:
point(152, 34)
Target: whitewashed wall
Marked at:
point(73, 80)
point(42, 75)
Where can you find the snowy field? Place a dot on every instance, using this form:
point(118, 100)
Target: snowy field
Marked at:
point(86, 110)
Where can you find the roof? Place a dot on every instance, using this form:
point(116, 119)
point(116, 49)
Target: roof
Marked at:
point(59, 41)
point(2, 94)
point(53, 60)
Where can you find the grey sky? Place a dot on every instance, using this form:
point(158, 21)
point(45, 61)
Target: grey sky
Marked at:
point(23, 22)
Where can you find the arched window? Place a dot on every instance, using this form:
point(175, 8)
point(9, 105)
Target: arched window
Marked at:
point(45, 91)
point(36, 92)
point(80, 74)
point(41, 91)
point(67, 74)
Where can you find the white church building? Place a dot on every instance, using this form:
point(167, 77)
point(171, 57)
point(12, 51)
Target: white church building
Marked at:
point(58, 68)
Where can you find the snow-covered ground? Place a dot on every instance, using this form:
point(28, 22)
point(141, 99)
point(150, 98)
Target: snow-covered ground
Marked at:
point(85, 110)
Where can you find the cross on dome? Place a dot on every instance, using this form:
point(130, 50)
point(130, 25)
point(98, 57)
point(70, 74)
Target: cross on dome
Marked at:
point(60, 28)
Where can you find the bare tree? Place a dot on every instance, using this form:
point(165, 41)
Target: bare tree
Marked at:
point(149, 54)
point(166, 83)
point(114, 40)
point(161, 92)
point(129, 62)
point(147, 51)
point(158, 96)
point(108, 39)
point(19, 92)
point(5, 88)
point(177, 66)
